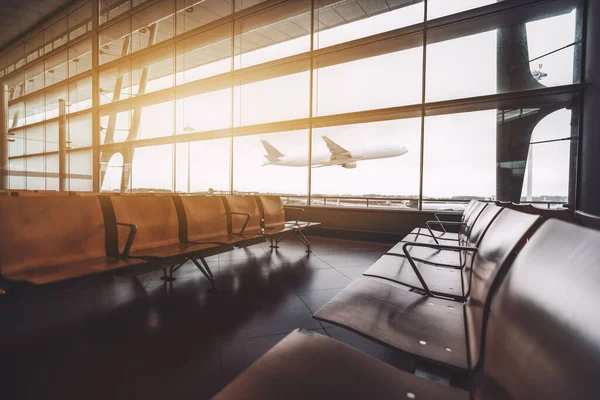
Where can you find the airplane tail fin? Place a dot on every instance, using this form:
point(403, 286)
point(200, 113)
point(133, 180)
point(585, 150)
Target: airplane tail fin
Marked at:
point(272, 153)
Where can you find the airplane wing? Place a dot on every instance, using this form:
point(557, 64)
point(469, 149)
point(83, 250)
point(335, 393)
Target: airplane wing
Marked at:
point(335, 149)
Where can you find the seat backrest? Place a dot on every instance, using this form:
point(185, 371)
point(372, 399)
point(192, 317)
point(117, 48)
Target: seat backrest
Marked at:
point(480, 227)
point(564, 214)
point(469, 209)
point(504, 238)
point(155, 217)
point(588, 220)
point(272, 211)
point(243, 204)
point(543, 333)
point(465, 230)
point(48, 231)
point(203, 217)
point(41, 193)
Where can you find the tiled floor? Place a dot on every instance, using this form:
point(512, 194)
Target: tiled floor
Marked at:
point(119, 341)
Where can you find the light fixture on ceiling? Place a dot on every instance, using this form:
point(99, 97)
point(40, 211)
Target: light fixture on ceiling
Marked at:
point(189, 10)
point(50, 71)
point(75, 60)
point(143, 30)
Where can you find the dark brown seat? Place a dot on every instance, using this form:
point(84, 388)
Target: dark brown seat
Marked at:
point(432, 329)
point(47, 239)
point(157, 238)
point(543, 332)
point(588, 220)
point(245, 220)
point(563, 214)
point(439, 227)
point(275, 227)
point(440, 280)
point(306, 365)
point(447, 258)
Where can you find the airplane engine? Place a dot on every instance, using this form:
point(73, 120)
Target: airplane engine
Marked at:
point(349, 165)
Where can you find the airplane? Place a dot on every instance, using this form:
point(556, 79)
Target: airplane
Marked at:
point(338, 155)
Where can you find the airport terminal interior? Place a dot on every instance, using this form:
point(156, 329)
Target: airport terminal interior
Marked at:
point(297, 199)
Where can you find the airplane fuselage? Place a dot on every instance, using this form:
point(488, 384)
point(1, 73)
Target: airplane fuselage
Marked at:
point(323, 160)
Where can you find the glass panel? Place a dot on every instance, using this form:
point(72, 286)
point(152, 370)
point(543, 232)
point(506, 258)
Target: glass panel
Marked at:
point(342, 21)
point(80, 21)
point(80, 95)
point(155, 121)
point(367, 82)
point(56, 68)
point(259, 100)
point(152, 169)
point(16, 147)
point(16, 86)
point(80, 171)
point(204, 112)
point(204, 166)
point(16, 58)
point(110, 9)
point(80, 58)
point(153, 71)
point(34, 140)
point(114, 126)
point(52, 136)
point(276, 32)
point(152, 25)
point(17, 178)
point(115, 83)
point(204, 55)
point(52, 174)
point(34, 78)
point(36, 177)
point(80, 131)
point(453, 170)
point(440, 8)
point(16, 115)
point(528, 54)
point(350, 167)
point(555, 126)
point(52, 98)
point(34, 47)
point(34, 107)
point(243, 4)
point(111, 182)
point(115, 42)
point(258, 170)
point(55, 35)
point(194, 13)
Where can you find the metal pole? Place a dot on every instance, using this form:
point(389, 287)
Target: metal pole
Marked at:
point(62, 145)
point(4, 94)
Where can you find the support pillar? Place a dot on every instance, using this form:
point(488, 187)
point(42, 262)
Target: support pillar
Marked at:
point(4, 94)
point(62, 146)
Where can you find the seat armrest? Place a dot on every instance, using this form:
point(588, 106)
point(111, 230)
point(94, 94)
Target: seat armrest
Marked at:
point(441, 223)
point(295, 208)
point(130, 238)
point(245, 223)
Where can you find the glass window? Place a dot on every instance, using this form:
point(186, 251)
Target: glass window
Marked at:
point(52, 172)
point(367, 81)
point(16, 86)
point(367, 160)
point(80, 21)
point(274, 163)
point(34, 139)
point(80, 170)
point(34, 78)
point(112, 175)
point(153, 71)
point(155, 121)
point(16, 58)
point(152, 169)
point(524, 55)
point(341, 21)
point(243, 4)
point(36, 176)
point(203, 166)
point(56, 68)
point(260, 98)
point(152, 25)
point(110, 9)
point(274, 33)
point(115, 83)
point(204, 55)
point(34, 107)
point(34, 47)
point(80, 131)
point(80, 58)
point(459, 158)
point(115, 126)
point(204, 112)
point(55, 35)
point(115, 42)
point(441, 8)
point(17, 178)
point(52, 99)
point(52, 136)
point(16, 115)
point(193, 14)
point(80, 95)
point(16, 144)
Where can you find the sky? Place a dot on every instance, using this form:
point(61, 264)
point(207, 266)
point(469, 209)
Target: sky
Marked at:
point(459, 149)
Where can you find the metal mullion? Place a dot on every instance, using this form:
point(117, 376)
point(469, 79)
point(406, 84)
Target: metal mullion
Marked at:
point(311, 100)
point(96, 184)
point(555, 140)
point(423, 97)
point(232, 105)
point(57, 85)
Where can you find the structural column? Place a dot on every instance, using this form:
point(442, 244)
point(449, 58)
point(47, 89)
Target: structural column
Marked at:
point(62, 146)
point(4, 136)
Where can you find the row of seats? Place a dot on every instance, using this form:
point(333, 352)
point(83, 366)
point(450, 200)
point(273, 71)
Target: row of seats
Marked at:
point(505, 309)
point(49, 239)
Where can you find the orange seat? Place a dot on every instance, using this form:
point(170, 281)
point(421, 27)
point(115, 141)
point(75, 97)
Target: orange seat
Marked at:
point(206, 220)
point(47, 239)
point(245, 219)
